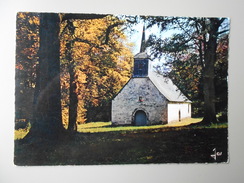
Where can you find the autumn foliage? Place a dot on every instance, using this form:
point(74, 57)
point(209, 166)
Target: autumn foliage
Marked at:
point(95, 59)
point(27, 44)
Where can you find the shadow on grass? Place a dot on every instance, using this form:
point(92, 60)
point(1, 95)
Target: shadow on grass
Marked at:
point(171, 145)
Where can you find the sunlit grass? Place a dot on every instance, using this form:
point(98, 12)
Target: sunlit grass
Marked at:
point(96, 127)
point(184, 122)
point(113, 129)
point(104, 126)
point(20, 134)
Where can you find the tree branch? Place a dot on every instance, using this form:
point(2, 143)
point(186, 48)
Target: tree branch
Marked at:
point(68, 16)
point(221, 20)
point(224, 31)
point(109, 29)
point(87, 42)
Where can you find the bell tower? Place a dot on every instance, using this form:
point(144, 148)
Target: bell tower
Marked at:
point(141, 60)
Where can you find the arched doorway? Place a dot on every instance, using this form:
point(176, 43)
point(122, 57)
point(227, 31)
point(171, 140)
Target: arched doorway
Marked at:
point(140, 118)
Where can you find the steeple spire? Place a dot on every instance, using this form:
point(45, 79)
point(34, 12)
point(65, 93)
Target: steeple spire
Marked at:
point(141, 60)
point(143, 41)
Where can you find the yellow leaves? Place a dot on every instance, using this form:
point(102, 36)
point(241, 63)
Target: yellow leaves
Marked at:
point(34, 20)
point(21, 15)
point(30, 18)
point(101, 67)
point(81, 77)
point(95, 102)
point(89, 29)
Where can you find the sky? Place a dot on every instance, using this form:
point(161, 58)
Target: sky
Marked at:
point(136, 37)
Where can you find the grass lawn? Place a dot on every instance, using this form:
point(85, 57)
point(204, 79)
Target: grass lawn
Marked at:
point(99, 143)
point(95, 127)
point(106, 126)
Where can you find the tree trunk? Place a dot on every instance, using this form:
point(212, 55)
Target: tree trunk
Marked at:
point(208, 73)
point(73, 98)
point(47, 120)
point(209, 99)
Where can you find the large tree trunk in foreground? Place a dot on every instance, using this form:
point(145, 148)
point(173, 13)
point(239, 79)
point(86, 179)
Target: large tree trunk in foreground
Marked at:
point(47, 120)
point(208, 72)
point(209, 99)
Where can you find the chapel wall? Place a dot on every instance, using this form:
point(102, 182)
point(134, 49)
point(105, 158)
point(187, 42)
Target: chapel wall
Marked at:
point(178, 111)
point(128, 101)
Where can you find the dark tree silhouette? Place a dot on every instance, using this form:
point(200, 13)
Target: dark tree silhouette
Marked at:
point(47, 107)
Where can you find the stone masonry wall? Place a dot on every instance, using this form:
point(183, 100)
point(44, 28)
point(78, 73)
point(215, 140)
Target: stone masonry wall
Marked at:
point(139, 94)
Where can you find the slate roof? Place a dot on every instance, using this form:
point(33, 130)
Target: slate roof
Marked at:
point(141, 55)
point(163, 84)
point(167, 88)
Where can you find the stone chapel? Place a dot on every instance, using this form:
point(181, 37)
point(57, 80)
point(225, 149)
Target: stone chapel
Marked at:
point(149, 98)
